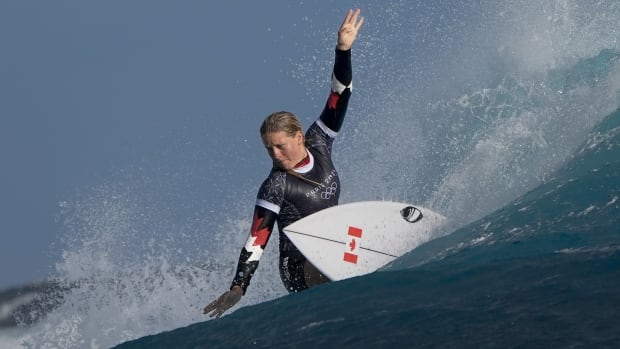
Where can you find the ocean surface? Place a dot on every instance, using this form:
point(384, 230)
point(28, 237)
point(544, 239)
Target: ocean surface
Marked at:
point(507, 123)
point(541, 272)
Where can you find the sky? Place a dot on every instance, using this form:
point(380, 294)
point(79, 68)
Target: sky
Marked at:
point(91, 89)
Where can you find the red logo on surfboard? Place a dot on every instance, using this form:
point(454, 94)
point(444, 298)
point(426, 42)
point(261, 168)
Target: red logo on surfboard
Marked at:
point(349, 256)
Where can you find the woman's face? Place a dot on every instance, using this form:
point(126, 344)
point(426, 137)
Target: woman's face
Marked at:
point(286, 151)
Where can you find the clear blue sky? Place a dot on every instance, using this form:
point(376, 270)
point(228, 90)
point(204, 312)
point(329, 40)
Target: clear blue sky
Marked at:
point(91, 88)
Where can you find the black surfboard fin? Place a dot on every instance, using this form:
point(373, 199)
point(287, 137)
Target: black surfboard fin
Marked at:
point(411, 214)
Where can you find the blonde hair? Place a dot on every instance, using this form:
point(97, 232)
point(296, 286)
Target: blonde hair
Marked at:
point(280, 121)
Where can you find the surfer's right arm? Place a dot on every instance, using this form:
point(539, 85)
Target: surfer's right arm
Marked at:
point(262, 226)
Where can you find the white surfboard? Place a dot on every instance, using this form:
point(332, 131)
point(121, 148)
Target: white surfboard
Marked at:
point(358, 238)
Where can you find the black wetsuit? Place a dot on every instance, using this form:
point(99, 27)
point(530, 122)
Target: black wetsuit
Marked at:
point(287, 197)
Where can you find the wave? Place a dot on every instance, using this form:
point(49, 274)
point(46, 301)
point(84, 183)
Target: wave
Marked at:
point(525, 275)
point(503, 117)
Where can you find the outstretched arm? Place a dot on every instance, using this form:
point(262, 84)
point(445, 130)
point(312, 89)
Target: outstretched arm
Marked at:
point(262, 226)
point(346, 36)
point(335, 109)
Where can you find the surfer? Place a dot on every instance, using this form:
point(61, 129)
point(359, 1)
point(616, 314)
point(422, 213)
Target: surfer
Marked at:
point(303, 179)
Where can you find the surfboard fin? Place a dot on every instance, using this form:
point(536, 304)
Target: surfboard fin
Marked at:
point(411, 214)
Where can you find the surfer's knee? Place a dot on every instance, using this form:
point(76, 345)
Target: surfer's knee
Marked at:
point(292, 274)
point(313, 276)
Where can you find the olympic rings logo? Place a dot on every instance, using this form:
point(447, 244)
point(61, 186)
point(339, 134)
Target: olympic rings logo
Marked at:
point(329, 191)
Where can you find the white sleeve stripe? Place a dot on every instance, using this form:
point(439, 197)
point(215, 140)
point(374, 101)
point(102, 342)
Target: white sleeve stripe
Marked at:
point(338, 86)
point(268, 205)
point(255, 250)
point(326, 129)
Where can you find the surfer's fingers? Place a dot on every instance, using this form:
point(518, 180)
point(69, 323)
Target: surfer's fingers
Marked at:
point(347, 17)
point(213, 305)
point(223, 303)
point(354, 16)
point(219, 311)
point(349, 29)
point(359, 23)
point(354, 20)
point(208, 309)
point(215, 311)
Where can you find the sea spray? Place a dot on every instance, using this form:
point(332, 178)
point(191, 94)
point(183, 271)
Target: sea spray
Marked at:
point(128, 270)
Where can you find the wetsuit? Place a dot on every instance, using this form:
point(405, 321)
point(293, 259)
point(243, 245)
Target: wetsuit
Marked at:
point(285, 197)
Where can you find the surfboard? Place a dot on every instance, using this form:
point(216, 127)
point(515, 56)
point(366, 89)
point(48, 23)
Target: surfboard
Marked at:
point(358, 238)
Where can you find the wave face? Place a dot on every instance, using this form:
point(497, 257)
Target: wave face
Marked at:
point(502, 117)
point(542, 271)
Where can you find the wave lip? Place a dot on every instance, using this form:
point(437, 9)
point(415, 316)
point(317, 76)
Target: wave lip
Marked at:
point(22, 306)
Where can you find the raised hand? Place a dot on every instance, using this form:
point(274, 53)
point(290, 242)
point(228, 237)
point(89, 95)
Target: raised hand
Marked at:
point(349, 29)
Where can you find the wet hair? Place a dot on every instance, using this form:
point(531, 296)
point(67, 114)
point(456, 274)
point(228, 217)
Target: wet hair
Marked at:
point(280, 121)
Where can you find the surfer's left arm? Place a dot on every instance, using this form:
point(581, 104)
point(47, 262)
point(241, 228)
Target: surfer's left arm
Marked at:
point(335, 109)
